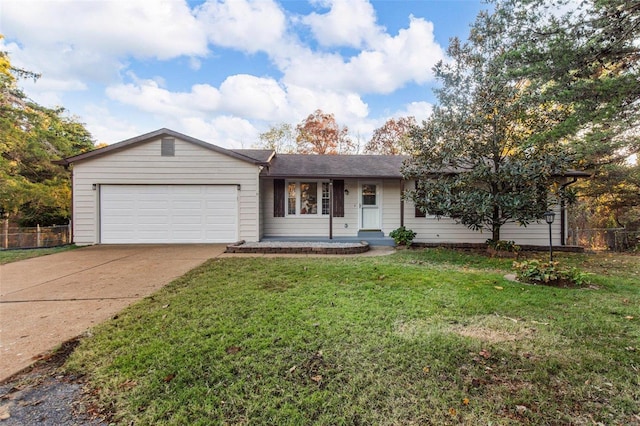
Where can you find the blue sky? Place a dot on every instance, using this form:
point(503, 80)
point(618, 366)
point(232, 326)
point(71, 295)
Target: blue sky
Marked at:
point(226, 71)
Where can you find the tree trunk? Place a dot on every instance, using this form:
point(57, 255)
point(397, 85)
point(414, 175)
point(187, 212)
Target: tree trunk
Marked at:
point(495, 226)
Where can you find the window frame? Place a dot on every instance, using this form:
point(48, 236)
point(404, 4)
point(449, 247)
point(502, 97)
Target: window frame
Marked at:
point(320, 186)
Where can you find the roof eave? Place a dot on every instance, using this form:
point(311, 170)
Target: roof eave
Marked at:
point(330, 176)
point(151, 136)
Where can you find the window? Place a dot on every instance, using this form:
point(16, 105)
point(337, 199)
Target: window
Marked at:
point(303, 198)
point(168, 147)
point(291, 198)
point(309, 198)
point(325, 197)
point(369, 195)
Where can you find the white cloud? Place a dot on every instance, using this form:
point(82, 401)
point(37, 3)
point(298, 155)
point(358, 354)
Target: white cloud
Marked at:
point(160, 29)
point(90, 41)
point(235, 132)
point(254, 97)
point(241, 24)
point(419, 110)
point(100, 45)
point(348, 23)
point(195, 63)
point(106, 128)
point(225, 131)
point(395, 61)
point(345, 106)
point(149, 96)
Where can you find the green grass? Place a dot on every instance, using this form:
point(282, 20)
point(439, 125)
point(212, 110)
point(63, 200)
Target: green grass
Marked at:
point(8, 256)
point(419, 337)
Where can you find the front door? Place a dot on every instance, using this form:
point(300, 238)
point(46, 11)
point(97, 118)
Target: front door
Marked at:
point(369, 206)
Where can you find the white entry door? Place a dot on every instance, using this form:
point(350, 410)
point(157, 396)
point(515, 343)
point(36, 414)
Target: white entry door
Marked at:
point(369, 205)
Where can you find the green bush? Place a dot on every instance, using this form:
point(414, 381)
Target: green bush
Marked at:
point(549, 273)
point(402, 236)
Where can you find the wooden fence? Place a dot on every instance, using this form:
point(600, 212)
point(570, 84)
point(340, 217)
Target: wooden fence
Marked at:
point(37, 237)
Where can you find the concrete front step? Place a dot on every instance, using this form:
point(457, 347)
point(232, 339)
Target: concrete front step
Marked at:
point(372, 241)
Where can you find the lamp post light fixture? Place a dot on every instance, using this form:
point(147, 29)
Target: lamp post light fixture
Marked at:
point(549, 216)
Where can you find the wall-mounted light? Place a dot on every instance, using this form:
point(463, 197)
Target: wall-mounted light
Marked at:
point(94, 186)
point(346, 191)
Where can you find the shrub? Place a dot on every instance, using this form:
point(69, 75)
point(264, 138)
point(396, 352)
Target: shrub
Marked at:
point(402, 236)
point(549, 273)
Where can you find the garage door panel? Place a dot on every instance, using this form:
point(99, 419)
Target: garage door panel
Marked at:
point(168, 214)
point(153, 204)
point(188, 221)
point(186, 205)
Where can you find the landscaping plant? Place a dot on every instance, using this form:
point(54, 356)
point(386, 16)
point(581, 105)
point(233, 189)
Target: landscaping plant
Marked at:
point(549, 273)
point(402, 236)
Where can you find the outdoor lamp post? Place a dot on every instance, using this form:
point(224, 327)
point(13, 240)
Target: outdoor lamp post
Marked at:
point(549, 216)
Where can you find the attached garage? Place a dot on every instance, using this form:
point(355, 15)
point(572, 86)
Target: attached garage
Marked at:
point(165, 187)
point(168, 214)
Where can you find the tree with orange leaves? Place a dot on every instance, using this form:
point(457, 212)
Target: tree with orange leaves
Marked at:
point(319, 133)
point(392, 138)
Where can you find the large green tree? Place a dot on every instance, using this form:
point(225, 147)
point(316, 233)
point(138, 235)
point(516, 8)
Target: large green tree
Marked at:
point(33, 190)
point(485, 157)
point(587, 59)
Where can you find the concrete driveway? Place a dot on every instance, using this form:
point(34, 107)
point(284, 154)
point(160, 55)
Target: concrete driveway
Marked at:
point(48, 300)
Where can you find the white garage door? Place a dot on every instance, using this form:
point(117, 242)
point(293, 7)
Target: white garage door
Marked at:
point(168, 214)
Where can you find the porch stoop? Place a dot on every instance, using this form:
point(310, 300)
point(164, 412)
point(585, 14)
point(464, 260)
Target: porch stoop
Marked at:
point(375, 239)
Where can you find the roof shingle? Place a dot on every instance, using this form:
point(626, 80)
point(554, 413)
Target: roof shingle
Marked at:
point(329, 166)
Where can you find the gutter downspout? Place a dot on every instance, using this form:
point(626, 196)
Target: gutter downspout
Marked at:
point(563, 213)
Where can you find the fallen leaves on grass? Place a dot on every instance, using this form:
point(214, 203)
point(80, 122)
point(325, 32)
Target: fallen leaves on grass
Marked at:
point(128, 385)
point(232, 350)
point(485, 354)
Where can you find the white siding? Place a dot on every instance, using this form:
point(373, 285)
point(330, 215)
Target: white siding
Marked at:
point(391, 199)
point(143, 164)
point(347, 226)
point(445, 230)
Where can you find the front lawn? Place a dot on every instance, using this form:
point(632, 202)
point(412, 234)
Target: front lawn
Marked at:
point(419, 337)
point(8, 256)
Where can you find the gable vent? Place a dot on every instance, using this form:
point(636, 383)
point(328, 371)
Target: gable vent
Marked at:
point(168, 147)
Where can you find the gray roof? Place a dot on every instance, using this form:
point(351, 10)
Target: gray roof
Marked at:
point(338, 166)
point(155, 135)
point(262, 155)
